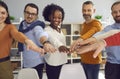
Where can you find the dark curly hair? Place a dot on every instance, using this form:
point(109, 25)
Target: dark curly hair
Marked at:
point(50, 9)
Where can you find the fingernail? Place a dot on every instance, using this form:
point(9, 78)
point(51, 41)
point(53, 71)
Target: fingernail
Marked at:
point(94, 56)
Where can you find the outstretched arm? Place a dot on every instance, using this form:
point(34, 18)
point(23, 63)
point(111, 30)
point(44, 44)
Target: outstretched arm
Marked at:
point(48, 47)
point(92, 44)
point(33, 46)
point(23, 39)
point(107, 34)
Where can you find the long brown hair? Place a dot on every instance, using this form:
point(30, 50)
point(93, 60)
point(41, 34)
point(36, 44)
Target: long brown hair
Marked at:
point(2, 4)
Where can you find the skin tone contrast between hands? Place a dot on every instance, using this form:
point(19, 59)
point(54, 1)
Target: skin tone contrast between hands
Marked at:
point(91, 44)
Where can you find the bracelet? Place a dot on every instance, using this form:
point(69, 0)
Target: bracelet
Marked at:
point(46, 42)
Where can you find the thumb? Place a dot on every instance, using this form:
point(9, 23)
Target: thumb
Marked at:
point(97, 52)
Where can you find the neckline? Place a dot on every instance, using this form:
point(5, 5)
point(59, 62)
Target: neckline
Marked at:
point(2, 27)
point(57, 29)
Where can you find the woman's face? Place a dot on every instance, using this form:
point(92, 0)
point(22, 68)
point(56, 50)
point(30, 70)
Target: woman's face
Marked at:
point(3, 14)
point(56, 18)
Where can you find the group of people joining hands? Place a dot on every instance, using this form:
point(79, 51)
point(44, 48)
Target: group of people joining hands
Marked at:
point(42, 44)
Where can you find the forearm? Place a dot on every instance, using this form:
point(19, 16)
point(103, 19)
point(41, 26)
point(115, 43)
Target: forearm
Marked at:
point(47, 45)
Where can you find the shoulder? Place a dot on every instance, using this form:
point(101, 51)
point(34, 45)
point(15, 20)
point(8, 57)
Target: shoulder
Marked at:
point(38, 27)
point(109, 27)
point(37, 24)
point(97, 24)
point(10, 26)
point(96, 21)
point(48, 28)
point(40, 23)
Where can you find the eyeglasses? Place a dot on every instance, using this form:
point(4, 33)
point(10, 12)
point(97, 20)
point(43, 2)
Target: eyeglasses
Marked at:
point(32, 14)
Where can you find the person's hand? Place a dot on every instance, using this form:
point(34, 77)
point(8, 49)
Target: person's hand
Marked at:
point(49, 48)
point(89, 45)
point(101, 44)
point(75, 44)
point(31, 45)
point(87, 41)
point(63, 49)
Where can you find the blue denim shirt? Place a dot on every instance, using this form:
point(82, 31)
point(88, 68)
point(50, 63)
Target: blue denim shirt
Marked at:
point(113, 52)
point(32, 58)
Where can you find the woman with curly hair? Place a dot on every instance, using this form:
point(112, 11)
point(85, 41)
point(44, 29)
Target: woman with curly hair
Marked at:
point(55, 15)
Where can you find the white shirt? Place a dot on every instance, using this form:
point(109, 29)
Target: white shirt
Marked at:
point(56, 39)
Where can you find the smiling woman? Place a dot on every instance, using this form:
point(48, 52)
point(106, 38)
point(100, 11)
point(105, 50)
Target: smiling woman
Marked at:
point(8, 33)
point(55, 14)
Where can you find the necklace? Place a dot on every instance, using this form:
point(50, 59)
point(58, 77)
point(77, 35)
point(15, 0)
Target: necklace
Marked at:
point(56, 28)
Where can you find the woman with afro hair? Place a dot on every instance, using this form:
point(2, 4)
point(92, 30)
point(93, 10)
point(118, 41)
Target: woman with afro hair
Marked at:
point(54, 61)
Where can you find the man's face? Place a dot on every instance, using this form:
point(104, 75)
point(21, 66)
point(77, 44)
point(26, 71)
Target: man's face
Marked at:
point(116, 13)
point(88, 11)
point(30, 14)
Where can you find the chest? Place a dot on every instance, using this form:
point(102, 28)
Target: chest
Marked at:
point(5, 37)
point(5, 34)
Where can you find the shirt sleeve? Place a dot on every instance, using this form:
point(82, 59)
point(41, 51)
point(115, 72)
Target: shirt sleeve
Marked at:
point(95, 28)
point(39, 32)
point(107, 34)
point(113, 40)
point(17, 35)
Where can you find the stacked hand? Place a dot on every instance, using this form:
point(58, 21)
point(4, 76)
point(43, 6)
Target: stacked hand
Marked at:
point(75, 45)
point(49, 48)
point(64, 49)
point(91, 44)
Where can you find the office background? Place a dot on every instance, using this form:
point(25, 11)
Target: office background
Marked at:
point(72, 8)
